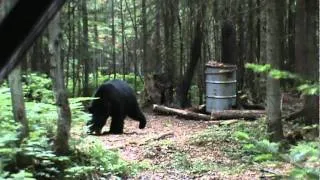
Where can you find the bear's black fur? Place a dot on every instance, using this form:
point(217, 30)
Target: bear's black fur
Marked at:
point(116, 99)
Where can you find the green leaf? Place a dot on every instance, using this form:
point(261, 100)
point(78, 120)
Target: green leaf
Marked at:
point(242, 135)
point(263, 157)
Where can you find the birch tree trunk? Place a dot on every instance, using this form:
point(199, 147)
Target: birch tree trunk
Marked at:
point(61, 97)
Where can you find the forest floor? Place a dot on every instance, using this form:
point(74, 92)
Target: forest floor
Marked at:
point(180, 149)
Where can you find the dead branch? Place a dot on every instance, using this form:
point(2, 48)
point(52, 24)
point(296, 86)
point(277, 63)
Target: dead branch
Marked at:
point(158, 138)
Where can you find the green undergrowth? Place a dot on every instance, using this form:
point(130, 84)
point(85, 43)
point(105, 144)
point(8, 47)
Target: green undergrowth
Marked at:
point(184, 162)
point(34, 157)
point(222, 137)
point(246, 144)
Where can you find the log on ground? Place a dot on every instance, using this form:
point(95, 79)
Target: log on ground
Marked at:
point(215, 115)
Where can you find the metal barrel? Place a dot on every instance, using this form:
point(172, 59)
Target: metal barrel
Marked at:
point(221, 87)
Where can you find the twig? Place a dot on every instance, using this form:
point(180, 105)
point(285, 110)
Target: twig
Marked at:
point(163, 136)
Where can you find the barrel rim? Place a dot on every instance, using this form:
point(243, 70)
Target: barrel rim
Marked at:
point(224, 66)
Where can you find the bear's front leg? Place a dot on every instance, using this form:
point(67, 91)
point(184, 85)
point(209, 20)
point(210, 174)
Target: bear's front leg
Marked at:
point(116, 126)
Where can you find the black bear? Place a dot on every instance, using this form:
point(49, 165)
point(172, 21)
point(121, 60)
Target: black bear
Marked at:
point(116, 99)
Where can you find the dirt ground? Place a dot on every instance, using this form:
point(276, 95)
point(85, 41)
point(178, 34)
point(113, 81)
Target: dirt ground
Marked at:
point(162, 138)
point(166, 136)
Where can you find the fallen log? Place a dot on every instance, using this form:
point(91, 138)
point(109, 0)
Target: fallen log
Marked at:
point(215, 115)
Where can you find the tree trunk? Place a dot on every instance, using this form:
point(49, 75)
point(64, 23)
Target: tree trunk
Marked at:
point(300, 37)
point(135, 26)
point(311, 103)
point(183, 88)
point(61, 97)
point(241, 47)
point(113, 40)
point(96, 51)
point(122, 42)
point(228, 43)
point(273, 58)
point(85, 48)
point(262, 51)
point(145, 61)
point(291, 37)
point(169, 14)
point(158, 36)
point(306, 54)
point(18, 106)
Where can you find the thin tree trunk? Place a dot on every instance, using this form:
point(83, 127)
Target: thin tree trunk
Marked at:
point(96, 51)
point(60, 92)
point(291, 35)
point(273, 58)
point(158, 36)
point(135, 44)
point(85, 48)
point(241, 47)
point(18, 106)
point(113, 39)
point(122, 39)
point(74, 79)
point(262, 51)
point(146, 64)
point(181, 47)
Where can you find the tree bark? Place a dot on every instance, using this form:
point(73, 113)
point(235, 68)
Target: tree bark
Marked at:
point(273, 58)
point(85, 48)
point(241, 47)
point(306, 54)
point(228, 43)
point(183, 88)
point(113, 39)
point(122, 41)
point(61, 97)
point(300, 36)
point(18, 106)
point(146, 64)
point(169, 14)
point(311, 102)
point(262, 51)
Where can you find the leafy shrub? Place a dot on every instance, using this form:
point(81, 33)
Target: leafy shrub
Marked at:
point(304, 86)
point(38, 87)
point(95, 82)
point(93, 153)
point(304, 156)
point(34, 157)
point(129, 78)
